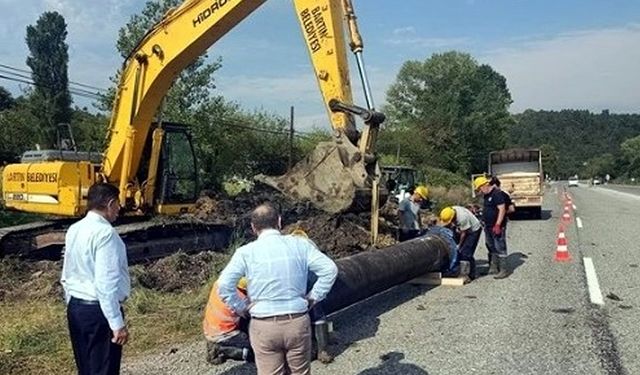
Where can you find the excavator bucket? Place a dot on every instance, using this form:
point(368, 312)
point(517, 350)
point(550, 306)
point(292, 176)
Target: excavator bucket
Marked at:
point(334, 178)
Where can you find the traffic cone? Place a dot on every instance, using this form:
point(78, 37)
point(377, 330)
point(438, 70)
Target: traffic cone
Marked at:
point(566, 214)
point(562, 250)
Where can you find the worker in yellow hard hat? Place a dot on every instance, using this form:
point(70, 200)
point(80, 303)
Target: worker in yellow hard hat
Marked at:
point(468, 227)
point(409, 213)
point(494, 215)
point(225, 332)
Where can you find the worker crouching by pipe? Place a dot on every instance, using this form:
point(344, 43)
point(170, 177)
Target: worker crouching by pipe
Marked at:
point(225, 332)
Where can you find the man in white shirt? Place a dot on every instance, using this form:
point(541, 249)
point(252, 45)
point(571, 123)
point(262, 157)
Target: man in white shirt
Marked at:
point(277, 267)
point(95, 279)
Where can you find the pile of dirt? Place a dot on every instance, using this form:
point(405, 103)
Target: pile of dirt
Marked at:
point(179, 272)
point(29, 280)
point(338, 235)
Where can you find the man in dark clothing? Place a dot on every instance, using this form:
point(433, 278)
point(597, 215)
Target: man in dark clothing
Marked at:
point(511, 207)
point(495, 225)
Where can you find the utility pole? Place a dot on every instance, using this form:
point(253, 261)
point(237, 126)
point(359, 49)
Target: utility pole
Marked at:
point(290, 141)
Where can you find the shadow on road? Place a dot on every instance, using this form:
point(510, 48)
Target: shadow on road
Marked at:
point(361, 321)
point(391, 365)
point(514, 260)
point(525, 215)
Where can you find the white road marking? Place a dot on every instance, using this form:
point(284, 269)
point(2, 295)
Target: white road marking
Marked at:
point(574, 207)
point(592, 282)
point(579, 222)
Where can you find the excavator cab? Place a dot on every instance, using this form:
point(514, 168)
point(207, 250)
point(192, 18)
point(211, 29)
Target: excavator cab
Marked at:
point(178, 182)
point(169, 169)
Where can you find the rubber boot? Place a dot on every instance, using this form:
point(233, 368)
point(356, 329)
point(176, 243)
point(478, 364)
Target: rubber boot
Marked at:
point(504, 272)
point(231, 352)
point(493, 265)
point(465, 270)
point(473, 273)
point(321, 331)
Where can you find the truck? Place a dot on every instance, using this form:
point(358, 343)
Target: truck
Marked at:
point(521, 175)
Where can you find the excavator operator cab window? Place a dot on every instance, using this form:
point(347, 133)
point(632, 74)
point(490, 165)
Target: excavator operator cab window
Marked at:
point(178, 182)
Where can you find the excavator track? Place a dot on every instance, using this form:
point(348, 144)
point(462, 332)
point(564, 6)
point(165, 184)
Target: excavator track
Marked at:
point(145, 240)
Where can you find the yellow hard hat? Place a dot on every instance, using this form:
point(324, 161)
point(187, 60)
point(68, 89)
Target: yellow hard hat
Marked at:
point(446, 215)
point(480, 181)
point(422, 191)
point(299, 232)
point(242, 283)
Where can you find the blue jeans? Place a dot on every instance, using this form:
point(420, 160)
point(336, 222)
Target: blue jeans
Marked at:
point(497, 245)
point(468, 248)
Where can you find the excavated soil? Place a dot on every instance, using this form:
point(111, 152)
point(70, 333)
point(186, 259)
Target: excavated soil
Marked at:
point(338, 235)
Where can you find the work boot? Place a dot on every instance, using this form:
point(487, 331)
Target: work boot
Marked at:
point(465, 270)
point(214, 356)
point(321, 331)
point(493, 265)
point(504, 272)
point(231, 352)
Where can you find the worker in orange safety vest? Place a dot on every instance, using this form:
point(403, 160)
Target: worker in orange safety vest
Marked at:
point(226, 333)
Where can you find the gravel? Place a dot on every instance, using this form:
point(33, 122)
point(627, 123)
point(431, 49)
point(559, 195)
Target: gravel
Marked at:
point(537, 321)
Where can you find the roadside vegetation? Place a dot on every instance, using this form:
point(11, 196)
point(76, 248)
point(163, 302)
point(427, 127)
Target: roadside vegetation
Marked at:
point(165, 309)
point(445, 114)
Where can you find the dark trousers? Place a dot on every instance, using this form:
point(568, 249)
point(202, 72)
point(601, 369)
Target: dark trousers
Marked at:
point(468, 248)
point(497, 245)
point(93, 350)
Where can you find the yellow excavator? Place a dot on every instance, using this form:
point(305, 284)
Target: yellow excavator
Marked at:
point(153, 163)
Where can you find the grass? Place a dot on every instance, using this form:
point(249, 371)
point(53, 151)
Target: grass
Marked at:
point(34, 337)
point(9, 218)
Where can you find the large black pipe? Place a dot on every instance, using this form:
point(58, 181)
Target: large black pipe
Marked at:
point(365, 274)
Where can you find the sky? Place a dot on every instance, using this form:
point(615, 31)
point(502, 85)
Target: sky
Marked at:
point(578, 54)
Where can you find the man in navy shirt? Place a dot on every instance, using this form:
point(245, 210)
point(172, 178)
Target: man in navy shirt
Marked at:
point(495, 225)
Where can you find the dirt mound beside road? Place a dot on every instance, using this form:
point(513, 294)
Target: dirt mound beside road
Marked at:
point(180, 272)
point(338, 235)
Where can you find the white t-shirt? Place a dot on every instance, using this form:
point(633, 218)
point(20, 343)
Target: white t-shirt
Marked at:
point(465, 219)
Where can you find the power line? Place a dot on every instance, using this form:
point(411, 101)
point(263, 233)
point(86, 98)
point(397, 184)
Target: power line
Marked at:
point(262, 130)
point(76, 90)
point(70, 82)
point(73, 92)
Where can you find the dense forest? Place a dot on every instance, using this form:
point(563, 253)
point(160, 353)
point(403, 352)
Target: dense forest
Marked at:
point(581, 142)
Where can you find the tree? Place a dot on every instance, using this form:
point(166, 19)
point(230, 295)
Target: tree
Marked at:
point(576, 136)
point(450, 112)
point(229, 140)
point(6, 100)
point(17, 132)
point(48, 61)
point(630, 150)
point(549, 159)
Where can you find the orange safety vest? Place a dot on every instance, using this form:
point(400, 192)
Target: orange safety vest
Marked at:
point(218, 317)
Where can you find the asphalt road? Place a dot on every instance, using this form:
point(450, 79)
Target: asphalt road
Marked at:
point(540, 320)
point(631, 189)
